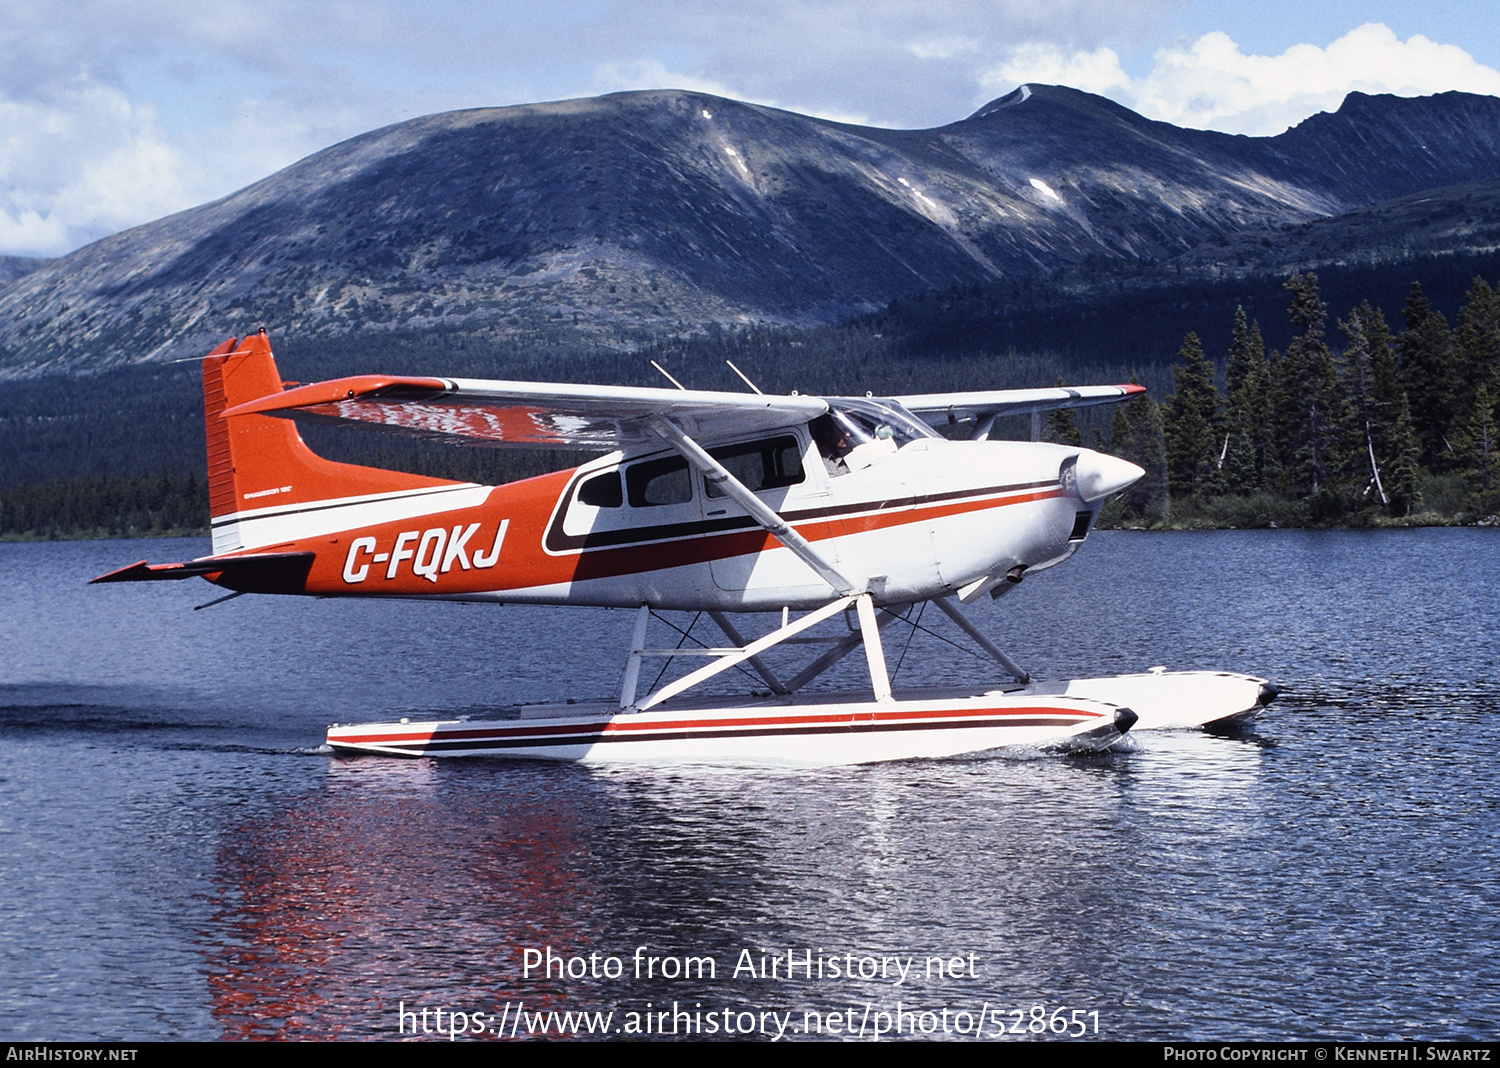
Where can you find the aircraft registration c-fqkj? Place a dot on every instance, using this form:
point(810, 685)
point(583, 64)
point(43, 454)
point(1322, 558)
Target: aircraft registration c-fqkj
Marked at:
point(848, 510)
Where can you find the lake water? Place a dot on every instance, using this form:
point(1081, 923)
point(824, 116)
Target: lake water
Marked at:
point(180, 857)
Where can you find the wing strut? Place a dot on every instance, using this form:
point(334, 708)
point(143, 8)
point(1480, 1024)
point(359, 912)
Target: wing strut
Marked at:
point(736, 490)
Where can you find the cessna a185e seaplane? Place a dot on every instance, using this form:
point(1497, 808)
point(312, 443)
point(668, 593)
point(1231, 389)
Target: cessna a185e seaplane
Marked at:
point(850, 510)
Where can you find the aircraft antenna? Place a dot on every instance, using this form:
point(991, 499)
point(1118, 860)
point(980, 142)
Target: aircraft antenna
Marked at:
point(669, 378)
point(743, 377)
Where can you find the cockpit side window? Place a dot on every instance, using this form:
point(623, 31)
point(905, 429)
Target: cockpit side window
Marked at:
point(761, 465)
point(857, 433)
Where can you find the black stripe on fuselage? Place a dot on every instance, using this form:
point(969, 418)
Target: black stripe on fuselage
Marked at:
point(560, 542)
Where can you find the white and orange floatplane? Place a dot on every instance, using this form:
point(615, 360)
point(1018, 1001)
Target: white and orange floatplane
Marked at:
point(834, 512)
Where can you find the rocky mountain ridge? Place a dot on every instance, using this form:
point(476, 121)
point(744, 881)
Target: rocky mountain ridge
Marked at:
point(636, 215)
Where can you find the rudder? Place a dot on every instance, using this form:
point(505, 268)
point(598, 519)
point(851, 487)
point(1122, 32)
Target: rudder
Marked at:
point(258, 462)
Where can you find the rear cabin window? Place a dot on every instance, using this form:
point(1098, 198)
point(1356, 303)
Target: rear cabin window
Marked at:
point(760, 465)
point(602, 491)
point(657, 482)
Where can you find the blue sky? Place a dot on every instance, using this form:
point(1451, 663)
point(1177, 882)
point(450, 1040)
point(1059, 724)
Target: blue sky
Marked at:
point(122, 111)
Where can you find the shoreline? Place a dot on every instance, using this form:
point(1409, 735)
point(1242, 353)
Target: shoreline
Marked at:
point(1423, 521)
point(1419, 522)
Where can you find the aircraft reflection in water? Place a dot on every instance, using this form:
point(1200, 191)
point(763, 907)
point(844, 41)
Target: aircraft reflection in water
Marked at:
point(427, 882)
point(326, 909)
point(840, 508)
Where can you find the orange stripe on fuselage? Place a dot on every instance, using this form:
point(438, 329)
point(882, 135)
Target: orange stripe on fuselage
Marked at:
point(628, 560)
point(523, 563)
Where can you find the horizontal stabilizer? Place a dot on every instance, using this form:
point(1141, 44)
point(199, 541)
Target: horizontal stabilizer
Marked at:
point(251, 573)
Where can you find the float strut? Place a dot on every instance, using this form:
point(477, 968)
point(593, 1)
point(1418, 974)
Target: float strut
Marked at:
point(869, 629)
point(843, 648)
point(729, 658)
point(760, 666)
point(633, 661)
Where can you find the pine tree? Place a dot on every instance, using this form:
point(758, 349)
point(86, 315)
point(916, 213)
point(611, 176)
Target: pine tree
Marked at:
point(1062, 426)
point(1239, 364)
point(1248, 402)
point(1477, 445)
point(1476, 350)
point(1427, 373)
point(1405, 472)
point(1312, 415)
point(1261, 405)
point(1375, 399)
point(1136, 435)
point(1191, 424)
point(1401, 455)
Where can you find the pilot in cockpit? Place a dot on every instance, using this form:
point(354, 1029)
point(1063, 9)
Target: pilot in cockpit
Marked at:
point(851, 441)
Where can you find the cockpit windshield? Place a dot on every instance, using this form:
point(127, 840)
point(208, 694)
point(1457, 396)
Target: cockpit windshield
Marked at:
point(857, 432)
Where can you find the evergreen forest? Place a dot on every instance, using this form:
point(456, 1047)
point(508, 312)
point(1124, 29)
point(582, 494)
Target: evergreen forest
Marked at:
point(1352, 424)
point(1349, 418)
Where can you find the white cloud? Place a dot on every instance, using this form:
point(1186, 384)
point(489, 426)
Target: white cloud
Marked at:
point(83, 162)
point(120, 113)
point(1047, 64)
point(1210, 84)
point(942, 47)
point(653, 74)
point(129, 109)
point(243, 87)
point(28, 233)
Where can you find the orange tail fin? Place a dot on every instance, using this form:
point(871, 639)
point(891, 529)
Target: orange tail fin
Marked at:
point(258, 462)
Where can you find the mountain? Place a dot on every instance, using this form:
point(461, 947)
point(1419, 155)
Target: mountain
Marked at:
point(13, 267)
point(1462, 219)
point(637, 215)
